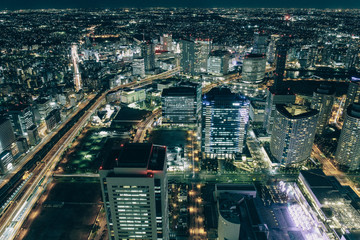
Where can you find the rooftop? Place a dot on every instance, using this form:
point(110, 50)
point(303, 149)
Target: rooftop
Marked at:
point(293, 111)
point(136, 155)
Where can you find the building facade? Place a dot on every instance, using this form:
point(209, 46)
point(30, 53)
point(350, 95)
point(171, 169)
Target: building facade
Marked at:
point(218, 62)
point(224, 124)
point(348, 149)
point(293, 133)
point(134, 188)
point(253, 70)
point(181, 105)
point(138, 67)
point(273, 98)
point(187, 59)
point(21, 118)
point(323, 99)
point(7, 136)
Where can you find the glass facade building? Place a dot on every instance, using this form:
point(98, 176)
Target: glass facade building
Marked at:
point(224, 124)
point(182, 104)
point(293, 133)
point(134, 187)
point(348, 149)
point(323, 99)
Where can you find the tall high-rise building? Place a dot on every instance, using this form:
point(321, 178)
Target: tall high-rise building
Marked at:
point(166, 42)
point(7, 136)
point(202, 51)
point(187, 60)
point(348, 149)
point(293, 133)
point(353, 93)
point(218, 62)
point(224, 125)
point(272, 48)
point(21, 118)
point(260, 43)
point(134, 189)
point(148, 53)
point(181, 104)
point(273, 98)
point(277, 94)
point(282, 47)
point(323, 99)
point(253, 70)
point(138, 67)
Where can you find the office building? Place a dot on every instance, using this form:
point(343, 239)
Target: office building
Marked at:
point(128, 95)
point(224, 124)
point(322, 100)
point(277, 94)
point(253, 70)
point(257, 111)
point(22, 145)
point(21, 118)
point(52, 119)
point(275, 97)
point(187, 60)
point(218, 62)
point(7, 136)
point(33, 135)
point(202, 51)
point(353, 93)
point(272, 48)
point(138, 67)
point(148, 54)
point(293, 133)
point(282, 46)
point(260, 43)
point(348, 149)
point(166, 42)
point(134, 188)
point(182, 104)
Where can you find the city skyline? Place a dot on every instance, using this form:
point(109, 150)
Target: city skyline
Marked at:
point(43, 4)
point(179, 123)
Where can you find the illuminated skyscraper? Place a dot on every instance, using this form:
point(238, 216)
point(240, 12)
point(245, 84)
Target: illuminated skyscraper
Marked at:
point(282, 47)
point(277, 94)
point(148, 53)
point(293, 133)
point(348, 149)
point(253, 70)
point(225, 122)
point(260, 43)
point(134, 188)
point(273, 98)
point(202, 51)
point(182, 104)
point(323, 99)
point(187, 56)
point(218, 62)
point(272, 48)
point(353, 93)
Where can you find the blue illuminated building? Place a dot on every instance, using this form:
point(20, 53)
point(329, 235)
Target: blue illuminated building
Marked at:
point(225, 122)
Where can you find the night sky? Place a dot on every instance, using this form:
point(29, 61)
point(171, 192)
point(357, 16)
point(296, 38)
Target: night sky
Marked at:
point(36, 4)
